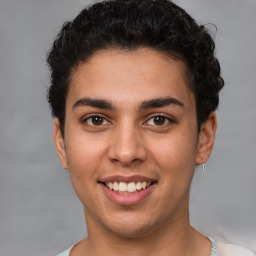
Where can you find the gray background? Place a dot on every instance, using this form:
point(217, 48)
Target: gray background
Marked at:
point(39, 212)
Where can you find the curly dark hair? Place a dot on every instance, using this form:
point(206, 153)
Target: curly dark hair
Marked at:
point(130, 25)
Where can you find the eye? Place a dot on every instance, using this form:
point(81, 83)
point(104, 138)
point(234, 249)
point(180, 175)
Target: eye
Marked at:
point(95, 120)
point(159, 120)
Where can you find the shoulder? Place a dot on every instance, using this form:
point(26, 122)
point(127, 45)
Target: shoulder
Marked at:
point(233, 250)
point(66, 253)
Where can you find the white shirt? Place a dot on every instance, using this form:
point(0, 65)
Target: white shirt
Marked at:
point(224, 250)
point(233, 250)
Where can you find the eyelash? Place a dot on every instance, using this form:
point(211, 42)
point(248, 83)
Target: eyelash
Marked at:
point(166, 119)
point(85, 120)
point(104, 120)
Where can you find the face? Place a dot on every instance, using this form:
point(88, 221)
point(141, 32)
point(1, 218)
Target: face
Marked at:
point(131, 141)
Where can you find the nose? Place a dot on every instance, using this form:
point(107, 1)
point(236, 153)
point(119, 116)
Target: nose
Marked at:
point(127, 146)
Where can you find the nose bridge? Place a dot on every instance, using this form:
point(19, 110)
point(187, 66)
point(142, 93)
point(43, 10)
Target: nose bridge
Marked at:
point(127, 146)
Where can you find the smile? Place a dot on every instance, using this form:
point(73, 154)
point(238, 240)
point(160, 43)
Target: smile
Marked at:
point(129, 190)
point(131, 187)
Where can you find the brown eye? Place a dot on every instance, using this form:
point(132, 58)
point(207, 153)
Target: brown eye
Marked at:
point(159, 120)
point(95, 120)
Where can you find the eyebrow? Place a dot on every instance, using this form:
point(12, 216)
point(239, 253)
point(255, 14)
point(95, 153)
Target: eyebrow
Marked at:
point(104, 104)
point(160, 102)
point(96, 103)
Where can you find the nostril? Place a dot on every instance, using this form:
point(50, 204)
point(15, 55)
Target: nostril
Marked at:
point(126, 148)
point(125, 159)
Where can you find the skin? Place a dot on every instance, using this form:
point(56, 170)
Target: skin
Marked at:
point(127, 141)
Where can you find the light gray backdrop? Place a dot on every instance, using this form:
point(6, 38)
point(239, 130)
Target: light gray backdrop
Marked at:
point(39, 212)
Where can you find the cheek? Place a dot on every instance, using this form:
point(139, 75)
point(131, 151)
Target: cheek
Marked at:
point(83, 175)
point(84, 156)
point(175, 151)
point(84, 153)
point(175, 158)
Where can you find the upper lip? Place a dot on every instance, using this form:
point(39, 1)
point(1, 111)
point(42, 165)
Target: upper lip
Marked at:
point(126, 179)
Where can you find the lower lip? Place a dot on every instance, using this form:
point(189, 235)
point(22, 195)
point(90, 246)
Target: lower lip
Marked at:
point(127, 199)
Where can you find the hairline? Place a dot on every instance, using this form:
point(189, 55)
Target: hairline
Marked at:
point(186, 74)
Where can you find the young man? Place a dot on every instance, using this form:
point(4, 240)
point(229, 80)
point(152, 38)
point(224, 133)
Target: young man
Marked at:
point(133, 91)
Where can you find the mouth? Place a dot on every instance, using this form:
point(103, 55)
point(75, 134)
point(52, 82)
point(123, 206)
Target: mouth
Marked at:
point(128, 188)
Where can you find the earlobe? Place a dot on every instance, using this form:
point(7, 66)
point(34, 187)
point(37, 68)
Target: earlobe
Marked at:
point(206, 139)
point(59, 144)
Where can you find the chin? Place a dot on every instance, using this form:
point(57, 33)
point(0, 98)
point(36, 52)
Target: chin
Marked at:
point(132, 227)
point(131, 232)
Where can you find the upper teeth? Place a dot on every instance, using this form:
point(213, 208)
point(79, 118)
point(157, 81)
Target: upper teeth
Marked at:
point(127, 187)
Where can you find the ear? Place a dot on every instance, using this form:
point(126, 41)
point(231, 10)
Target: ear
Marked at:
point(59, 144)
point(206, 139)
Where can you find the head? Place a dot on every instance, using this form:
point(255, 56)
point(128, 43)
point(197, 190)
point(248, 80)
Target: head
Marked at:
point(134, 88)
point(130, 25)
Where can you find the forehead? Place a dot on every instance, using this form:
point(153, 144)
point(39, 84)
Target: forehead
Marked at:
point(123, 76)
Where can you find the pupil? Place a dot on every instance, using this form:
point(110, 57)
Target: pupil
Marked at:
point(159, 120)
point(97, 120)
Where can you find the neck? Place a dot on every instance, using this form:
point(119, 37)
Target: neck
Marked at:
point(179, 239)
point(173, 237)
